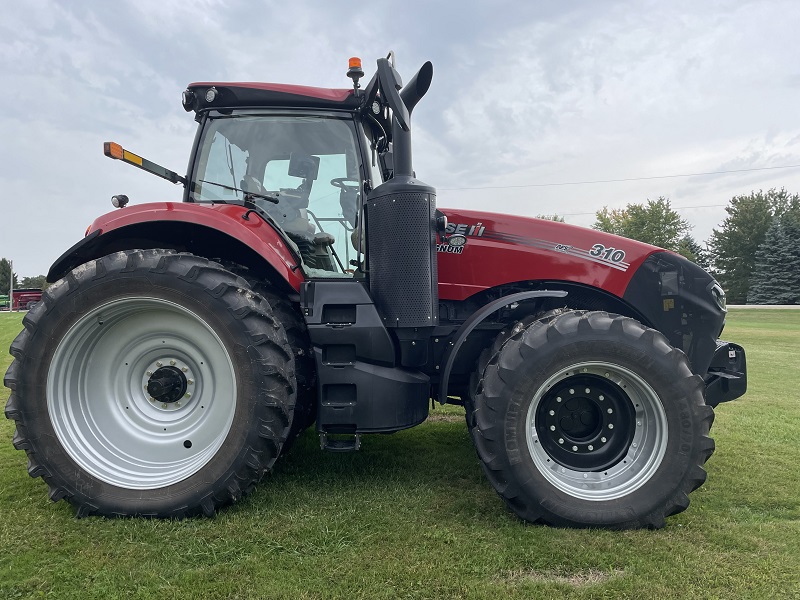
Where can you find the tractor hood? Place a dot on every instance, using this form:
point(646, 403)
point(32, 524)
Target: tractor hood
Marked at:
point(482, 250)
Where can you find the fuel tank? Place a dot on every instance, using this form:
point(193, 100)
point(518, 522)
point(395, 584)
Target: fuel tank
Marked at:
point(484, 250)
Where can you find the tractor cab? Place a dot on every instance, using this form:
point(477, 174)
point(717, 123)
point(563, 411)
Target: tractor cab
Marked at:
point(300, 170)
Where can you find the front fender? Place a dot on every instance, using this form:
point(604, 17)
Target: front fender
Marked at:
point(476, 319)
point(214, 231)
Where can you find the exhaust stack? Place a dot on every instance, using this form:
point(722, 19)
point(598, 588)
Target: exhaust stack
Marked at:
point(401, 218)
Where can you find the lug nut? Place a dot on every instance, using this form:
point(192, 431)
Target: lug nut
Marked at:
point(590, 447)
point(552, 413)
point(148, 373)
point(560, 440)
point(574, 448)
point(190, 382)
point(604, 440)
point(611, 426)
point(552, 427)
point(610, 410)
point(159, 363)
point(172, 362)
point(187, 395)
point(588, 390)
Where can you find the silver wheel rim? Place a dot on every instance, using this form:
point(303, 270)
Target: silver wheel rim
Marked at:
point(104, 416)
point(643, 455)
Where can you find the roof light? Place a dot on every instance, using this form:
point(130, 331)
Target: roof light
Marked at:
point(211, 94)
point(187, 99)
point(355, 72)
point(119, 201)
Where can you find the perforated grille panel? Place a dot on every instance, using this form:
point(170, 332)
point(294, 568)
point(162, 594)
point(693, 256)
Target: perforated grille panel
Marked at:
point(402, 262)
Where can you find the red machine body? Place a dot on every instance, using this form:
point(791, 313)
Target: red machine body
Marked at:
point(504, 249)
point(500, 249)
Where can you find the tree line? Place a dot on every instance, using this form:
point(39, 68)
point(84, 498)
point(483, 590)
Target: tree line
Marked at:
point(755, 253)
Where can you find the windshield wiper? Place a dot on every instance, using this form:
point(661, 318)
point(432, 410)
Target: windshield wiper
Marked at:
point(247, 195)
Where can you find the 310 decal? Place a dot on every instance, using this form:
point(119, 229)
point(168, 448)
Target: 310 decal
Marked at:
point(614, 255)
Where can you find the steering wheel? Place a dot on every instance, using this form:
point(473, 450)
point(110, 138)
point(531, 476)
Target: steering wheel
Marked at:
point(339, 182)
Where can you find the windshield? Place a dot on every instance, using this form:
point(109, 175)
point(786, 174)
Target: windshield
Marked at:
point(303, 171)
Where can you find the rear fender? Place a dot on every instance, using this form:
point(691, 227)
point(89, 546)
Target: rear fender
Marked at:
point(222, 231)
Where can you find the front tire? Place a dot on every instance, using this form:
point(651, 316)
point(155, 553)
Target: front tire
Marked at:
point(150, 383)
point(589, 419)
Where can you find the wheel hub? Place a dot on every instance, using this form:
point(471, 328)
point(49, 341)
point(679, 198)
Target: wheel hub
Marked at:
point(167, 385)
point(586, 423)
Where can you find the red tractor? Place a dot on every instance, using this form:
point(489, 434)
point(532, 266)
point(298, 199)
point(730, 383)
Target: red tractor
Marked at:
point(308, 276)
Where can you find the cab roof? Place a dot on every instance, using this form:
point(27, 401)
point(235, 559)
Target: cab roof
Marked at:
point(255, 94)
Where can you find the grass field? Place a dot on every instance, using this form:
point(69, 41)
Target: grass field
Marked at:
point(411, 516)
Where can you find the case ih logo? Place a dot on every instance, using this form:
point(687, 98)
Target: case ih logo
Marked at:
point(456, 237)
point(465, 229)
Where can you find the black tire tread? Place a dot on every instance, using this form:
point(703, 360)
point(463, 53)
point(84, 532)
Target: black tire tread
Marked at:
point(497, 365)
point(288, 314)
point(268, 342)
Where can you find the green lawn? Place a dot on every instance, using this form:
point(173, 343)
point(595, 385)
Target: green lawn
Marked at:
point(412, 516)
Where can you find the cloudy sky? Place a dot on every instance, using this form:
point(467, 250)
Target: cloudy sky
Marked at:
point(534, 106)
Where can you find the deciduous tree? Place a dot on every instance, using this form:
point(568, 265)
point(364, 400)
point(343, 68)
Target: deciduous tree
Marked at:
point(654, 223)
point(39, 281)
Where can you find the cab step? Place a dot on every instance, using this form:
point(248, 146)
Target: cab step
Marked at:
point(341, 443)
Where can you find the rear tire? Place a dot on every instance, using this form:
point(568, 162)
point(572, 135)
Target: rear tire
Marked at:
point(150, 383)
point(305, 412)
point(588, 419)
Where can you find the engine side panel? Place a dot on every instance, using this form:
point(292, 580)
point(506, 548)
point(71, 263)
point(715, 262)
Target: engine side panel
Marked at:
point(502, 249)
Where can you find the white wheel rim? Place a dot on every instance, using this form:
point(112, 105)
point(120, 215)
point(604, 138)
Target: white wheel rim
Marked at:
point(102, 413)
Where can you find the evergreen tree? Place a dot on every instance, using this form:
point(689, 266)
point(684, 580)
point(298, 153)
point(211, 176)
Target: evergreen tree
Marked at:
point(5, 276)
point(733, 247)
point(776, 274)
point(688, 247)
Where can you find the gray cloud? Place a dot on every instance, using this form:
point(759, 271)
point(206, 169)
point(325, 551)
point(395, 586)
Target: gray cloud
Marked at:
point(524, 93)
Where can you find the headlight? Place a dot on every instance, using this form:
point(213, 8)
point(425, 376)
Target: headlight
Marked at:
point(719, 296)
